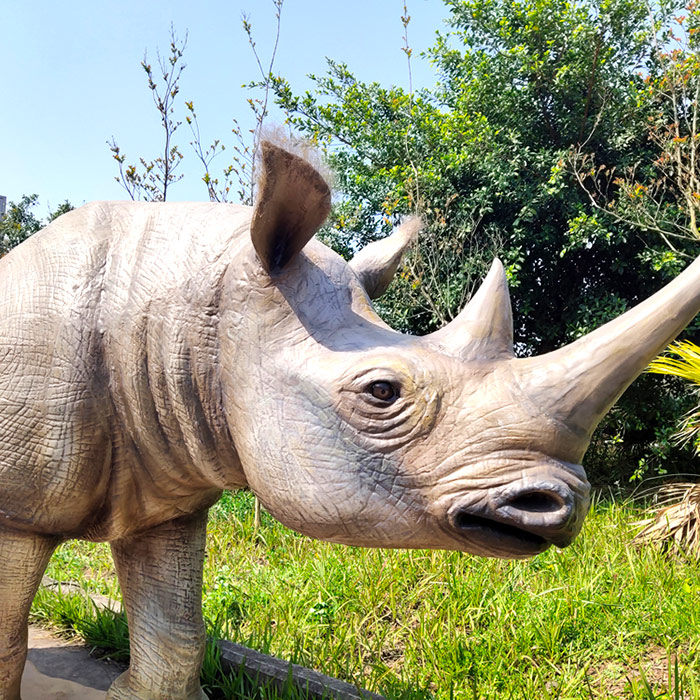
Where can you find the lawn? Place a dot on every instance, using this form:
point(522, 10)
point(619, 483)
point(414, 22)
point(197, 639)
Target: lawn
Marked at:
point(600, 619)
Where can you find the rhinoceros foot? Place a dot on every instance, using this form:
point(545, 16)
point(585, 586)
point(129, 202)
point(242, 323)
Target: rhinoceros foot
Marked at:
point(125, 688)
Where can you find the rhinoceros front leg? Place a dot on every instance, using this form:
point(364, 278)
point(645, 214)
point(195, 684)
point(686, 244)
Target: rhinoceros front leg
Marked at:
point(23, 559)
point(160, 573)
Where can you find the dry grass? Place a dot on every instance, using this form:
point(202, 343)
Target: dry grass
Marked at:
point(675, 519)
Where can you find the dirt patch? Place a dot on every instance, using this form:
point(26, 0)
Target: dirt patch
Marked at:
point(612, 679)
point(60, 670)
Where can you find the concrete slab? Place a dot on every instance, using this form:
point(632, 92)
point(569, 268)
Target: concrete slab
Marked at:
point(61, 670)
point(268, 670)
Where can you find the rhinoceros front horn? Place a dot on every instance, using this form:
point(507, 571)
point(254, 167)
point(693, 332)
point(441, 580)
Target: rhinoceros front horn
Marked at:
point(577, 384)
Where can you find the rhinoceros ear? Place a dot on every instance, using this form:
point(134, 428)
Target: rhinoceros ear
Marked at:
point(293, 202)
point(376, 263)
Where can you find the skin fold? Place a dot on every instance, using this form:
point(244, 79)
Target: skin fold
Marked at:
point(154, 354)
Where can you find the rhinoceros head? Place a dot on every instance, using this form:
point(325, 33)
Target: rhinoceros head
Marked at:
point(351, 432)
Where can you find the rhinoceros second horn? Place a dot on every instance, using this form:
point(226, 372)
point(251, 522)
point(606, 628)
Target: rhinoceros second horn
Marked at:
point(484, 328)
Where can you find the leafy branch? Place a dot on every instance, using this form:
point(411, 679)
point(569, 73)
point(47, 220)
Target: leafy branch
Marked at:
point(150, 180)
point(243, 166)
point(660, 195)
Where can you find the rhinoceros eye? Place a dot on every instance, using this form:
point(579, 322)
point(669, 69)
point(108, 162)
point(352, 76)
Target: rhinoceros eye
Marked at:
point(384, 391)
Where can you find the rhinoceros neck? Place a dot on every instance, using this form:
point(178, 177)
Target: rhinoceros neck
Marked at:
point(159, 315)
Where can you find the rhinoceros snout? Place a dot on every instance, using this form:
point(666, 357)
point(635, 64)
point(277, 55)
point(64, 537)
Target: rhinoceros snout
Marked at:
point(524, 518)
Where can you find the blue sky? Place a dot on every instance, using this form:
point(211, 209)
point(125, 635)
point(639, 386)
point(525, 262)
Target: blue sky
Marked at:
point(72, 80)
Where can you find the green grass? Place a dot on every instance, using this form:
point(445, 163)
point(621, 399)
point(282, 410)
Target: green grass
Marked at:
point(600, 619)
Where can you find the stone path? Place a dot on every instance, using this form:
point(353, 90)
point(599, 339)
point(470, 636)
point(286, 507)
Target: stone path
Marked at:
point(61, 670)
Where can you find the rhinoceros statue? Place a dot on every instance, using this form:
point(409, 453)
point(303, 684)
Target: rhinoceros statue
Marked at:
point(153, 354)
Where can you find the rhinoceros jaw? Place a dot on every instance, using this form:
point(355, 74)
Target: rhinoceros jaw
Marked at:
point(507, 537)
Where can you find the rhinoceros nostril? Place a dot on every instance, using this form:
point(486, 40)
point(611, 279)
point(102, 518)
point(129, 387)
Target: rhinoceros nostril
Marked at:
point(537, 502)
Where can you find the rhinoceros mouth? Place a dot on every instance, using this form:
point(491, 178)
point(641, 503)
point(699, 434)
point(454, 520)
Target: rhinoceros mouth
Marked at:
point(509, 536)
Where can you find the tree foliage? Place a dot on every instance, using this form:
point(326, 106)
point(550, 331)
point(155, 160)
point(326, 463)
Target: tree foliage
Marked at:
point(20, 221)
point(244, 150)
point(659, 194)
point(152, 179)
point(480, 157)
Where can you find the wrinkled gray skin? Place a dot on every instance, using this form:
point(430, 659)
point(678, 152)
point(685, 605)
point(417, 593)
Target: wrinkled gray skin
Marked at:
point(155, 354)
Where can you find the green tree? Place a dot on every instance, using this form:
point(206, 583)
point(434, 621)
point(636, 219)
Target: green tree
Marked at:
point(20, 221)
point(152, 179)
point(61, 209)
point(482, 157)
point(659, 194)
